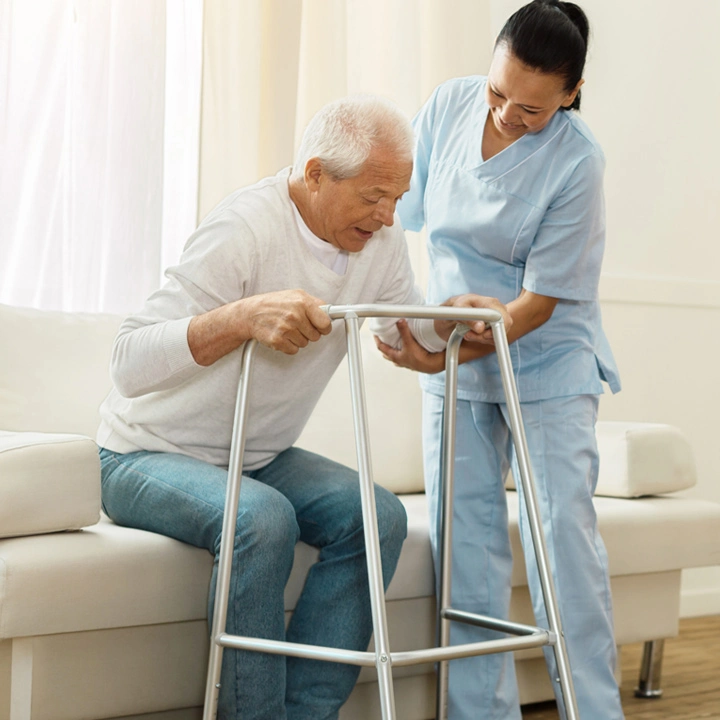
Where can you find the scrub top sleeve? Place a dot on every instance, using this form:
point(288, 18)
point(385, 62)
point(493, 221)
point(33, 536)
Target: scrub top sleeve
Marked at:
point(566, 254)
point(411, 208)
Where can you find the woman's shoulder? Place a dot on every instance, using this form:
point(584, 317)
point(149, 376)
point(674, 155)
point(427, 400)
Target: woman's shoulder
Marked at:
point(581, 137)
point(459, 89)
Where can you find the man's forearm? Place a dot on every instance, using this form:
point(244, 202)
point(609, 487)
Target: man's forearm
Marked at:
point(218, 332)
point(284, 320)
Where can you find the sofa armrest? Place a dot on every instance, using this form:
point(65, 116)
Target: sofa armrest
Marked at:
point(48, 483)
point(643, 459)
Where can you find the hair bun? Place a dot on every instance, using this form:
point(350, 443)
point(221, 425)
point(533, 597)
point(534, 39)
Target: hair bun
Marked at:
point(576, 15)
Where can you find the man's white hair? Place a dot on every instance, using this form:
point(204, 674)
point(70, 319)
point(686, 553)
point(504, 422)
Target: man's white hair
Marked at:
point(342, 134)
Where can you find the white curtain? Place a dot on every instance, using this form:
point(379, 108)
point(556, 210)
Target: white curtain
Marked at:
point(99, 145)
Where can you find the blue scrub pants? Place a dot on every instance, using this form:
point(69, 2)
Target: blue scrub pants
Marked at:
point(299, 495)
point(561, 438)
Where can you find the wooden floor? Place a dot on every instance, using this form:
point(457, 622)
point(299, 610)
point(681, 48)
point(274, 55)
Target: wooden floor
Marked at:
point(690, 678)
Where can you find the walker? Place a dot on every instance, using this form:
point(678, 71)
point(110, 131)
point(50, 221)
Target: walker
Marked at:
point(521, 636)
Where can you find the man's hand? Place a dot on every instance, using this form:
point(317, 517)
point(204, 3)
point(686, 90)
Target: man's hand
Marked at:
point(411, 354)
point(286, 320)
point(479, 331)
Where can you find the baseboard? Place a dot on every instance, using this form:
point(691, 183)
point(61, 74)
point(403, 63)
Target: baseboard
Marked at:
point(700, 602)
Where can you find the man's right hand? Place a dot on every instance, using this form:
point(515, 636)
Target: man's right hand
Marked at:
point(285, 320)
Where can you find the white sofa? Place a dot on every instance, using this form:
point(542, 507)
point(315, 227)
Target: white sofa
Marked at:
point(99, 621)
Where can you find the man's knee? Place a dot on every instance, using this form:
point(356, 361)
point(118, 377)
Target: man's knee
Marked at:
point(391, 516)
point(268, 522)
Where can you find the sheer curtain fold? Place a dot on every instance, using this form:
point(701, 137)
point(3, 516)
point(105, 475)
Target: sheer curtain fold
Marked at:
point(91, 188)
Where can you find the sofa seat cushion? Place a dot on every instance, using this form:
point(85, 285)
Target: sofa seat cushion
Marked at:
point(109, 576)
point(646, 535)
point(100, 577)
point(48, 483)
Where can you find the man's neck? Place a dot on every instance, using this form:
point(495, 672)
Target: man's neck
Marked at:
point(301, 198)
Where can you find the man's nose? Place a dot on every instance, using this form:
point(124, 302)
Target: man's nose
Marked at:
point(385, 212)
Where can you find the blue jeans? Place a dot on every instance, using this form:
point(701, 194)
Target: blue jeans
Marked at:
point(298, 496)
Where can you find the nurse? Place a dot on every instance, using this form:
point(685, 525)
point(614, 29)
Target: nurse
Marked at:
point(508, 182)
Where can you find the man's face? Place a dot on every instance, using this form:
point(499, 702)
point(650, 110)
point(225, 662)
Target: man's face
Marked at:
point(347, 212)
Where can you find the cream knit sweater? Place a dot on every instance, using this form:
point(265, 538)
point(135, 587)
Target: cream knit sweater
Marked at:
point(249, 244)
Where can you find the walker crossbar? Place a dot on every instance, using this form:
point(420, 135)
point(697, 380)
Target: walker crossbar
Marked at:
point(523, 636)
point(525, 641)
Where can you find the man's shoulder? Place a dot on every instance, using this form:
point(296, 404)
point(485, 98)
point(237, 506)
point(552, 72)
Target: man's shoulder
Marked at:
point(265, 200)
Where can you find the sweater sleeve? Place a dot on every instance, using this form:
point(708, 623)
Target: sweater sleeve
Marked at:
point(151, 351)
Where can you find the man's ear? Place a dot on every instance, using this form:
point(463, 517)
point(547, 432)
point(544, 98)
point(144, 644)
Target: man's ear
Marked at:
point(314, 174)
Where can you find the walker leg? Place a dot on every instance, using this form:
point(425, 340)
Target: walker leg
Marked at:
point(651, 670)
point(445, 515)
point(541, 555)
point(232, 498)
point(372, 539)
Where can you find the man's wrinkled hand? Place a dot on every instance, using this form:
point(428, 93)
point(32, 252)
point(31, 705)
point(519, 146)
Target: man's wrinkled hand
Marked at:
point(286, 320)
point(411, 354)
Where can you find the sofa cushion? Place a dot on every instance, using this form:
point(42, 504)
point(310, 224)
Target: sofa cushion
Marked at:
point(643, 459)
point(54, 369)
point(638, 459)
point(111, 576)
point(47, 483)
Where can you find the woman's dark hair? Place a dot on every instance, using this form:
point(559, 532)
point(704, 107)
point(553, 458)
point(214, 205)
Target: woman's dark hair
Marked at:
point(549, 36)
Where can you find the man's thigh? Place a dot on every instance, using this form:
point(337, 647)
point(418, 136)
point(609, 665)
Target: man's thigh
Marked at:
point(178, 496)
point(325, 495)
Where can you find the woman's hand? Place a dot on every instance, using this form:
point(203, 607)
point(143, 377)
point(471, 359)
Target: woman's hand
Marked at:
point(411, 354)
point(479, 331)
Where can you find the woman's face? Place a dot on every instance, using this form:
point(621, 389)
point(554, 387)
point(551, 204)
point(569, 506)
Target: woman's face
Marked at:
point(521, 99)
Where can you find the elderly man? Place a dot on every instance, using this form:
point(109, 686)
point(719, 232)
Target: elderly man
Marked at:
point(260, 266)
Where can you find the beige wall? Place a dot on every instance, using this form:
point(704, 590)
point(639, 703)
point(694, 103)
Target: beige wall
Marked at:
point(652, 98)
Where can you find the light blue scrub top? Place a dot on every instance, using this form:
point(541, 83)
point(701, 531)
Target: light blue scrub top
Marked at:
point(530, 217)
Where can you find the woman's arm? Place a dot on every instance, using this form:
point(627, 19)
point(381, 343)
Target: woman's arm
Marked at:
point(527, 312)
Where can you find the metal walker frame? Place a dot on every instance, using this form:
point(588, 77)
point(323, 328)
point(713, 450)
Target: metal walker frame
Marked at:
point(522, 636)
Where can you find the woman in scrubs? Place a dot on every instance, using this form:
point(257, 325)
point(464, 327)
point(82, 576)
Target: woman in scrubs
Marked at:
point(508, 182)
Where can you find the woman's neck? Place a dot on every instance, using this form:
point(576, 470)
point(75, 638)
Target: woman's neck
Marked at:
point(492, 141)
